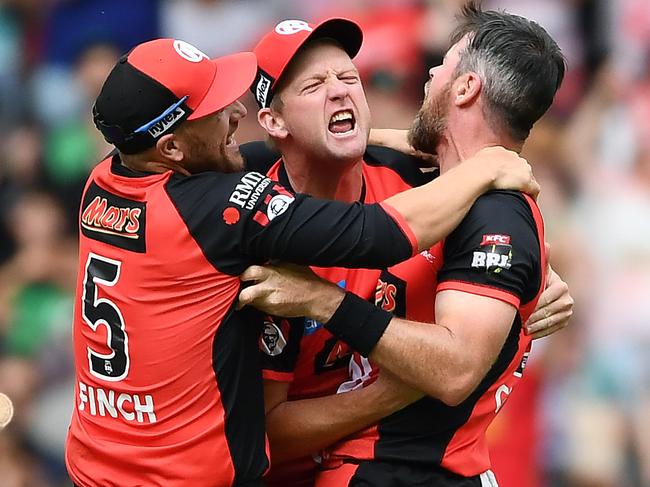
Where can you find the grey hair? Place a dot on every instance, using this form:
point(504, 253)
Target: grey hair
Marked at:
point(521, 67)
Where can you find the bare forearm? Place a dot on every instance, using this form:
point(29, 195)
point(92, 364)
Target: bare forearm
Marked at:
point(299, 428)
point(437, 363)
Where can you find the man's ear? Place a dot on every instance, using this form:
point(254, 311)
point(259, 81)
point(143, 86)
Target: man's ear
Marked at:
point(168, 146)
point(273, 123)
point(466, 89)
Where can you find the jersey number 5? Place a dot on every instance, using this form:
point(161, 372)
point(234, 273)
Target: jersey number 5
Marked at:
point(96, 312)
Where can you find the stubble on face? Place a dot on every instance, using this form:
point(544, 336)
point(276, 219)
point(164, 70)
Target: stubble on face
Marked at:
point(428, 128)
point(207, 152)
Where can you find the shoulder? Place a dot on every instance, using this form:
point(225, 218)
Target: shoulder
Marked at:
point(217, 188)
point(501, 204)
point(407, 167)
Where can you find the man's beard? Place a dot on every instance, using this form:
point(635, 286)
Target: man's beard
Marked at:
point(430, 123)
point(210, 158)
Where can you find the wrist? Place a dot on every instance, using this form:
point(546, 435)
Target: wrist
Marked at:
point(358, 323)
point(325, 304)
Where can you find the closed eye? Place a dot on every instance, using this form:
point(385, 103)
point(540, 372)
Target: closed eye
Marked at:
point(311, 87)
point(350, 79)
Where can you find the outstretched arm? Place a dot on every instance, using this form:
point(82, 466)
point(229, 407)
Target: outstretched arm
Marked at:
point(311, 231)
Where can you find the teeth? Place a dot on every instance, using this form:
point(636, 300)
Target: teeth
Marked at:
point(346, 115)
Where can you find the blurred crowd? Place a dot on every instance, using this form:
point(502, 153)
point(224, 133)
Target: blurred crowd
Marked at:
point(582, 417)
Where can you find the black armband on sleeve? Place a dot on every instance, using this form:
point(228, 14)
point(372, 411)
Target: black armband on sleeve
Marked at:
point(358, 323)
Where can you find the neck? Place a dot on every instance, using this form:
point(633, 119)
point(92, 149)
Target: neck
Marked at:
point(144, 162)
point(329, 179)
point(463, 140)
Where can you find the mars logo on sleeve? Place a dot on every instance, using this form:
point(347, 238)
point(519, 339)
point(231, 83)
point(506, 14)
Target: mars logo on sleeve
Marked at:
point(494, 253)
point(114, 220)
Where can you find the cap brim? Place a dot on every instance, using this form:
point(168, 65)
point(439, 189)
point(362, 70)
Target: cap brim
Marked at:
point(234, 75)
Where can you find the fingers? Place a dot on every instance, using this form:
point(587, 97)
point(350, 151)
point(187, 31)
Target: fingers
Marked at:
point(548, 331)
point(548, 322)
point(533, 188)
point(554, 292)
point(247, 296)
point(550, 318)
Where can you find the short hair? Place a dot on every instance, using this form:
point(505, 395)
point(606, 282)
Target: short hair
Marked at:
point(520, 65)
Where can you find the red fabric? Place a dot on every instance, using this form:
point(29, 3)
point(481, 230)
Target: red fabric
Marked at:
point(380, 183)
point(172, 367)
point(487, 291)
point(517, 429)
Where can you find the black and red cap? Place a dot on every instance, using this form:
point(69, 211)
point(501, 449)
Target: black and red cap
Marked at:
point(161, 83)
point(278, 47)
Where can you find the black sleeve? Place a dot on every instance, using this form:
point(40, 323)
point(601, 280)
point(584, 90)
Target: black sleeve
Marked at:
point(258, 156)
point(495, 249)
point(243, 218)
point(280, 346)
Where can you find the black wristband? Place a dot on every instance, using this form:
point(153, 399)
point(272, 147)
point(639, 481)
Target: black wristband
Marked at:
point(358, 323)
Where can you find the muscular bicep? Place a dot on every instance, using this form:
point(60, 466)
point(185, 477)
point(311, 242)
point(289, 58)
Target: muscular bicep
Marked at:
point(480, 323)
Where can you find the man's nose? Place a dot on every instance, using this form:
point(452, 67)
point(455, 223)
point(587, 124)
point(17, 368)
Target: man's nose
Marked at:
point(337, 89)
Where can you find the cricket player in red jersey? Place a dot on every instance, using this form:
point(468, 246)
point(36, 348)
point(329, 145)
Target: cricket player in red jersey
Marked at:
point(491, 275)
point(303, 360)
point(169, 386)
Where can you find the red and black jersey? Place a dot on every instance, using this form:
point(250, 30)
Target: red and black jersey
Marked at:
point(496, 251)
point(300, 350)
point(168, 379)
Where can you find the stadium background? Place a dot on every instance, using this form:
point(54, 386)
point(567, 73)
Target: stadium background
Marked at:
point(582, 417)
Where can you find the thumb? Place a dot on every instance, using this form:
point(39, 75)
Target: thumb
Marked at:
point(547, 255)
point(246, 296)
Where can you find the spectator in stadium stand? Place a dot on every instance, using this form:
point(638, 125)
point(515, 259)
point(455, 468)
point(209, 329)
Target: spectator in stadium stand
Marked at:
point(489, 272)
point(168, 381)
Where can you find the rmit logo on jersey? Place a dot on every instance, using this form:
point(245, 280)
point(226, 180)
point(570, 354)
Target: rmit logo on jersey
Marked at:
point(248, 190)
point(167, 121)
point(390, 294)
point(494, 253)
point(112, 219)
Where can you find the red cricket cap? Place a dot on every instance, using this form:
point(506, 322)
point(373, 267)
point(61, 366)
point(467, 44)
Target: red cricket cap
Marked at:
point(277, 48)
point(161, 83)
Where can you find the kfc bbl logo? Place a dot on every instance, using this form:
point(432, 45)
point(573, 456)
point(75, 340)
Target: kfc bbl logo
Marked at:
point(494, 253)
